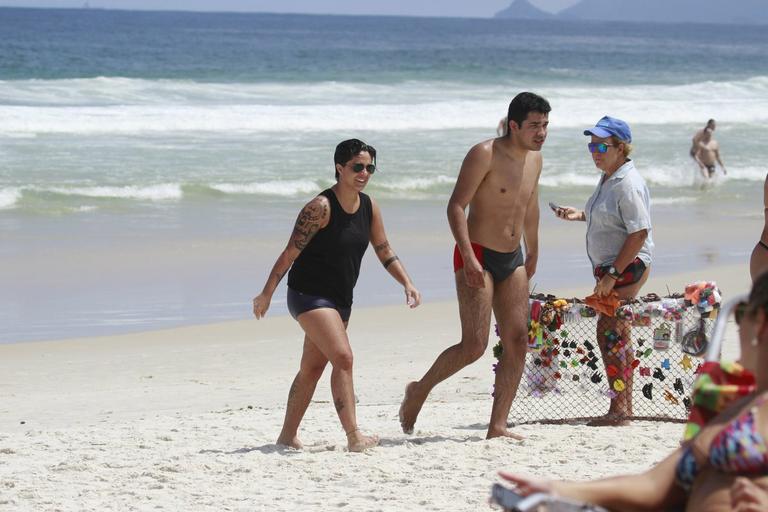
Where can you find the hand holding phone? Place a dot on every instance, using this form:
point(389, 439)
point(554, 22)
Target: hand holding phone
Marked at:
point(554, 206)
point(505, 497)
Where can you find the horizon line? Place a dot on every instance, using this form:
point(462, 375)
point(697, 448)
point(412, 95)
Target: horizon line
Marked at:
point(555, 17)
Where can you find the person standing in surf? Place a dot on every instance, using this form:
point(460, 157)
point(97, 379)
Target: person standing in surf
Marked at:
point(707, 154)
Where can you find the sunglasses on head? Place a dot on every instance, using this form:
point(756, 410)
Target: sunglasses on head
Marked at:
point(599, 147)
point(359, 168)
point(740, 311)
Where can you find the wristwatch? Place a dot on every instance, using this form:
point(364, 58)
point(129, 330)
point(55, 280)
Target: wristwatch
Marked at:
point(613, 272)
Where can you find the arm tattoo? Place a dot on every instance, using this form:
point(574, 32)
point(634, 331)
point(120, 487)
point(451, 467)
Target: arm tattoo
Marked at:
point(308, 224)
point(390, 261)
point(381, 247)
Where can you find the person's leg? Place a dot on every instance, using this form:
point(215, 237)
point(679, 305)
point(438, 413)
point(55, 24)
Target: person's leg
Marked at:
point(621, 406)
point(475, 316)
point(510, 305)
point(310, 370)
point(327, 332)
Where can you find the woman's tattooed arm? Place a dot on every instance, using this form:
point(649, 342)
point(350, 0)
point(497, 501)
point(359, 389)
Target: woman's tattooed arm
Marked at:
point(311, 219)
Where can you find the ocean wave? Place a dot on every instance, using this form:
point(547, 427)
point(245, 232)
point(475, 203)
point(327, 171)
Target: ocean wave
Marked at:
point(568, 179)
point(674, 201)
point(270, 188)
point(161, 192)
point(128, 106)
point(9, 197)
point(417, 184)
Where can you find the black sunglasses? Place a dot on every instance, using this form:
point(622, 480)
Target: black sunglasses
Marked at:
point(739, 311)
point(359, 168)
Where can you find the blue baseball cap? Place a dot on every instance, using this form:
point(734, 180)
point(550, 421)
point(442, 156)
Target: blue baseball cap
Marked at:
point(608, 126)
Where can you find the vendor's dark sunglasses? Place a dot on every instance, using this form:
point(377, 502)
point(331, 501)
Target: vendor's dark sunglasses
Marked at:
point(359, 168)
point(599, 147)
point(739, 311)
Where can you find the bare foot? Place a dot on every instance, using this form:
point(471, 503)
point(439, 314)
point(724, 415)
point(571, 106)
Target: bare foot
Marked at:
point(409, 409)
point(503, 433)
point(290, 442)
point(610, 420)
point(357, 442)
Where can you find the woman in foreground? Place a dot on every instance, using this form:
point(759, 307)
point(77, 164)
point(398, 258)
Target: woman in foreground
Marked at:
point(758, 263)
point(323, 254)
point(723, 468)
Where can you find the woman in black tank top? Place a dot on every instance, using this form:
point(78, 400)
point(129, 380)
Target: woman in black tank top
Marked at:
point(324, 253)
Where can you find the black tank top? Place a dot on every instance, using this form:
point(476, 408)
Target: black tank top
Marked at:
point(330, 264)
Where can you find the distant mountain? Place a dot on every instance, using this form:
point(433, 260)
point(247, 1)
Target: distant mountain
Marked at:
point(749, 12)
point(522, 9)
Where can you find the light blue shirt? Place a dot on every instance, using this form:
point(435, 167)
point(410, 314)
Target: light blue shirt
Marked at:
point(620, 206)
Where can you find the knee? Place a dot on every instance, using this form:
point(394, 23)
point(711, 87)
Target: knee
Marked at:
point(313, 372)
point(343, 361)
point(473, 351)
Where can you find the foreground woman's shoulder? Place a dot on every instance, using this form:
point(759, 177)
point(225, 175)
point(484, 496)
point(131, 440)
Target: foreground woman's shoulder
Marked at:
point(318, 207)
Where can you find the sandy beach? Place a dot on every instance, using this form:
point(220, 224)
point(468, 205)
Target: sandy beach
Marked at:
point(152, 165)
point(186, 419)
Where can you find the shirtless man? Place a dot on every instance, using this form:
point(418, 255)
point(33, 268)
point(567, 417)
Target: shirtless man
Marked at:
point(499, 181)
point(707, 154)
point(697, 137)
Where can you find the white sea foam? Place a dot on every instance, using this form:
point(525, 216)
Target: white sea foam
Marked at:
point(569, 179)
point(127, 106)
point(417, 184)
point(84, 209)
point(274, 188)
point(9, 197)
point(161, 192)
point(674, 201)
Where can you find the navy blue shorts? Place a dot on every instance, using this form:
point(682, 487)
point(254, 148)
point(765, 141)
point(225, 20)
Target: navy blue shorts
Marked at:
point(299, 303)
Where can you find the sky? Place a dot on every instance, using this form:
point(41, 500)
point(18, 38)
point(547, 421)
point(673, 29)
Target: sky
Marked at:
point(459, 8)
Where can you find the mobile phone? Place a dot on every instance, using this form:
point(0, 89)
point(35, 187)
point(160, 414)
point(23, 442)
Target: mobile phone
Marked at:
point(554, 206)
point(505, 497)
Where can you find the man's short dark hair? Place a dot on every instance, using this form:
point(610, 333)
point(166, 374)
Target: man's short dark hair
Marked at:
point(524, 103)
point(348, 149)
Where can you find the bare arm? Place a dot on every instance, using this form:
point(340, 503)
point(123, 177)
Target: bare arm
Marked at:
point(649, 491)
point(389, 259)
point(475, 167)
point(627, 254)
point(717, 156)
point(531, 225)
point(312, 218)
point(630, 249)
point(694, 143)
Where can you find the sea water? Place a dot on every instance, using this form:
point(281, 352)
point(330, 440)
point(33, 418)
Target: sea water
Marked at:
point(152, 164)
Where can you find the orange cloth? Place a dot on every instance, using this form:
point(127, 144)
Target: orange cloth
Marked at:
point(693, 291)
point(606, 305)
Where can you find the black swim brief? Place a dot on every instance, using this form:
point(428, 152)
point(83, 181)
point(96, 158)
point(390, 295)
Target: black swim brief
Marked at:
point(632, 274)
point(499, 264)
point(299, 303)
